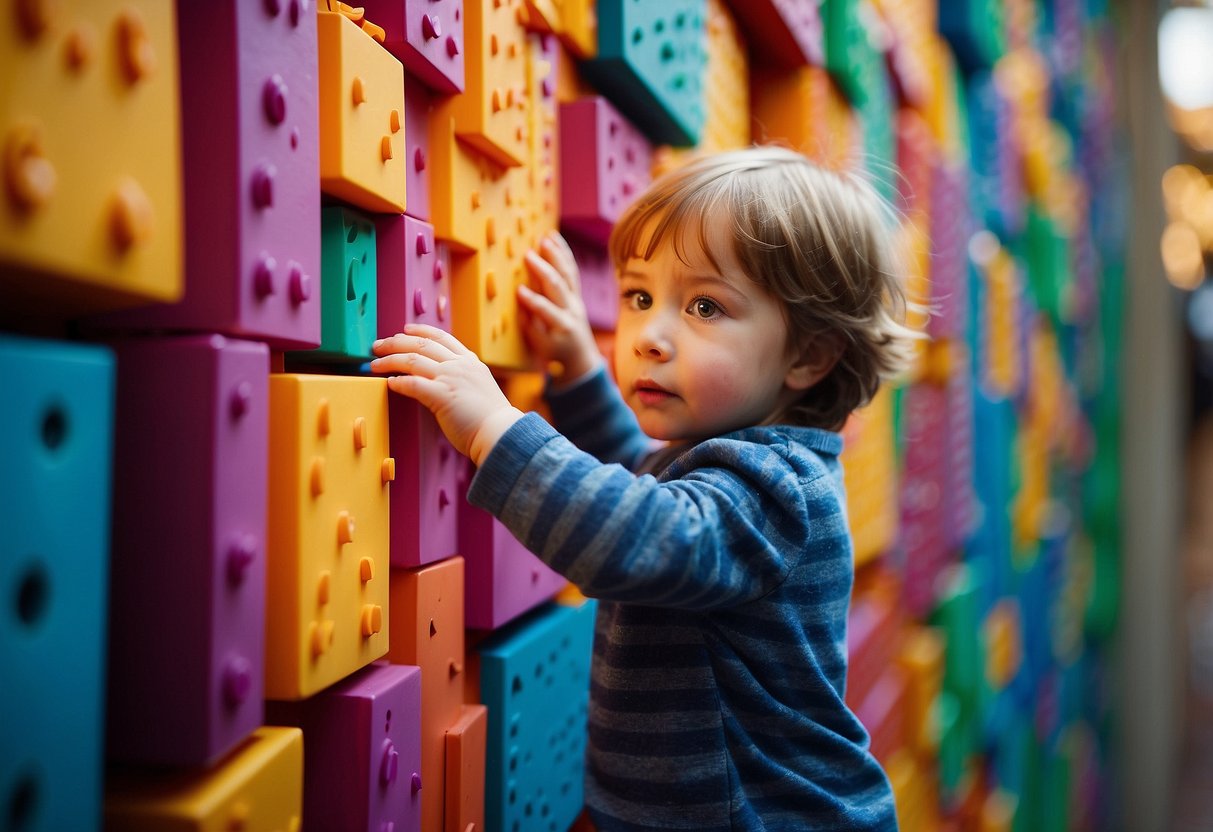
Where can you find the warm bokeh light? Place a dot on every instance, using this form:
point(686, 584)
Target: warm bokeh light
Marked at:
point(1182, 256)
point(1177, 183)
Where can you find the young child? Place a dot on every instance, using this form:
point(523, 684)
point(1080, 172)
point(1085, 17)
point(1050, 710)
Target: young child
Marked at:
point(759, 306)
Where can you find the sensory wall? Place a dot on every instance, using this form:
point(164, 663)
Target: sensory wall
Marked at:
point(240, 587)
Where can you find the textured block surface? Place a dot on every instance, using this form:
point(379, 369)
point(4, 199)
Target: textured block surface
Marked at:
point(427, 494)
point(363, 738)
point(248, 270)
point(427, 631)
point(55, 438)
point(189, 548)
point(349, 277)
point(418, 107)
point(534, 678)
point(427, 37)
point(326, 606)
point(91, 218)
point(361, 118)
point(413, 284)
point(786, 33)
point(259, 786)
point(651, 61)
point(465, 766)
point(604, 166)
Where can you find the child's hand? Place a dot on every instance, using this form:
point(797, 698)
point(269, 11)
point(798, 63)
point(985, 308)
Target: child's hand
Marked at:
point(554, 319)
point(451, 381)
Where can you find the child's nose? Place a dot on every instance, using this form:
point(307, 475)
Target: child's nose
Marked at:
point(652, 341)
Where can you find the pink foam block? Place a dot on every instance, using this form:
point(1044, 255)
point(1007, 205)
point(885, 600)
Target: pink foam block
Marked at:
point(414, 286)
point(503, 579)
point(427, 37)
point(924, 537)
point(599, 288)
point(418, 104)
point(871, 640)
point(427, 491)
point(362, 769)
point(250, 129)
point(786, 33)
point(187, 619)
point(604, 165)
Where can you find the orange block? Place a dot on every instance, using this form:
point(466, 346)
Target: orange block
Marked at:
point(91, 203)
point(543, 148)
point(790, 107)
point(579, 27)
point(427, 631)
point(327, 531)
point(921, 658)
point(466, 742)
point(1001, 631)
point(361, 117)
point(491, 113)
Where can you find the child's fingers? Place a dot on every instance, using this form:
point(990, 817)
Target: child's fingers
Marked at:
point(561, 256)
point(439, 336)
point(412, 363)
point(410, 343)
point(547, 313)
point(426, 391)
point(552, 282)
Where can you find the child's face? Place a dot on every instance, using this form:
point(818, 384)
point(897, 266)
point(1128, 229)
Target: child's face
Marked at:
point(699, 352)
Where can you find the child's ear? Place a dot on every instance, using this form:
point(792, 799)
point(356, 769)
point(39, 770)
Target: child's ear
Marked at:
point(814, 363)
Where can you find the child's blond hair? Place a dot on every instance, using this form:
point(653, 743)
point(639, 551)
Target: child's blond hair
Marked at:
point(820, 240)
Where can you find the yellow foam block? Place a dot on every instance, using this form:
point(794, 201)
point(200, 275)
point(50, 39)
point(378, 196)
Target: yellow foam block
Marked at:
point(491, 114)
point(259, 786)
point(327, 567)
point(91, 207)
point(1002, 372)
point(921, 657)
point(543, 137)
point(361, 117)
point(870, 473)
point(579, 27)
point(1004, 651)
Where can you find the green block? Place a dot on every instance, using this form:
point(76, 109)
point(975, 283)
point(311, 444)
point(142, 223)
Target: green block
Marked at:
point(957, 616)
point(876, 116)
point(850, 56)
point(348, 291)
point(651, 61)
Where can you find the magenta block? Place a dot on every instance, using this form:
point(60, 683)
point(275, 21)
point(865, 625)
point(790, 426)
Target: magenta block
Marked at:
point(951, 226)
point(503, 579)
point(250, 129)
point(960, 500)
point(414, 285)
point(786, 33)
point(599, 288)
point(924, 536)
point(604, 165)
point(427, 37)
point(187, 618)
point(427, 491)
point(418, 104)
point(362, 738)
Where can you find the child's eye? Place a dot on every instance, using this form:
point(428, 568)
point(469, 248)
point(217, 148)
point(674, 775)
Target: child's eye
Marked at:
point(704, 308)
point(636, 299)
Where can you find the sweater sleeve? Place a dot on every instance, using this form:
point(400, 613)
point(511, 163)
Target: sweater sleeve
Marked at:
point(726, 531)
point(592, 414)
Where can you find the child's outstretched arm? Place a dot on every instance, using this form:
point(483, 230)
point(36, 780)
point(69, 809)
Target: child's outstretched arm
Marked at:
point(446, 377)
point(554, 320)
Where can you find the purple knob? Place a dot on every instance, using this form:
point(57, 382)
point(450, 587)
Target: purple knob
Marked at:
point(263, 276)
point(443, 499)
point(273, 99)
point(418, 303)
point(240, 555)
point(237, 681)
point(416, 782)
point(439, 272)
point(452, 47)
point(423, 245)
point(241, 399)
point(272, 7)
point(299, 284)
point(389, 766)
point(263, 186)
point(430, 27)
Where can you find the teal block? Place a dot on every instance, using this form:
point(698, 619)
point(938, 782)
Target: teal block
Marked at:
point(651, 62)
point(851, 58)
point(975, 30)
point(876, 117)
point(964, 658)
point(56, 433)
point(535, 680)
point(348, 293)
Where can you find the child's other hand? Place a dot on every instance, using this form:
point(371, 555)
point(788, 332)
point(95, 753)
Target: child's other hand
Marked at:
point(554, 319)
point(448, 378)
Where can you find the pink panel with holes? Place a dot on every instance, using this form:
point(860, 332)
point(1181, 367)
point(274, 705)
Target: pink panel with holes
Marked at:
point(427, 37)
point(426, 492)
point(604, 165)
point(418, 104)
point(414, 284)
point(599, 288)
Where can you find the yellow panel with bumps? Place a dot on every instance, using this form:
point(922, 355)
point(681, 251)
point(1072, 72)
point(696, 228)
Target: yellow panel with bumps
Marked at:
point(257, 786)
point(327, 538)
point(91, 210)
point(361, 117)
point(869, 464)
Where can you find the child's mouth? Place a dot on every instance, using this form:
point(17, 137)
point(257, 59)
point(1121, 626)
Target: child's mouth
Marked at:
point(650, 393)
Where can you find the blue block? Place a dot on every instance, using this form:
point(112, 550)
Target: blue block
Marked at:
point(651, 62)
point(56, 432)
point(535, 680)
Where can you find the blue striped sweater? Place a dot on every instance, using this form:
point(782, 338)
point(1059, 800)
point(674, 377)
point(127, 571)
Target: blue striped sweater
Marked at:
point(719, 663)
